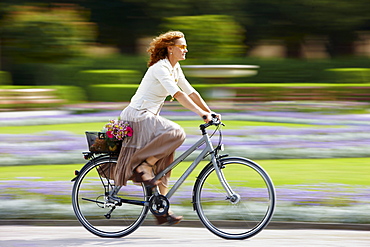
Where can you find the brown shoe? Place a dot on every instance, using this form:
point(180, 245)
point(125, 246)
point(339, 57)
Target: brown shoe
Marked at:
point(145, 175)
point(170, 219)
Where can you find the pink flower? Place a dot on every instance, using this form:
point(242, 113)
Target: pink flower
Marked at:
point(129, 130)
point(109, 134)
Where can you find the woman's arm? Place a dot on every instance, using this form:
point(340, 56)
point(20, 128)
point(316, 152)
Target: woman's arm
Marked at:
point(197, 99)
point(194, 105)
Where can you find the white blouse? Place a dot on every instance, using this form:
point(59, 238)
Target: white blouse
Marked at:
point(160, 80)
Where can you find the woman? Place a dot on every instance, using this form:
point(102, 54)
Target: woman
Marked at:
point(151, 149)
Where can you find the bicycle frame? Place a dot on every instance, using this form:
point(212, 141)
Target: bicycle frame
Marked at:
point(95, 206)
point(208, 149)
point(249, 218)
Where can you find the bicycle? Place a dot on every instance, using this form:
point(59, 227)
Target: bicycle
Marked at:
point(233, 197)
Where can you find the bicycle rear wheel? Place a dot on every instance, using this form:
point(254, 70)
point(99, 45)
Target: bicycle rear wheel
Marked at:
point(100, 210)
point(246, 216)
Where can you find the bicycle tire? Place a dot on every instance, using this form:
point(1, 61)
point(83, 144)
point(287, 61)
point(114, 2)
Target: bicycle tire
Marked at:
point(238, 220)
point(91, 205)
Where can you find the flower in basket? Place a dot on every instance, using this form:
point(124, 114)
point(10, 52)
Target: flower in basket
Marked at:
point(117, 130)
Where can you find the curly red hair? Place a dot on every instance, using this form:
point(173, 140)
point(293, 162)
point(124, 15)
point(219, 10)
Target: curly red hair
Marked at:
point(158, 47)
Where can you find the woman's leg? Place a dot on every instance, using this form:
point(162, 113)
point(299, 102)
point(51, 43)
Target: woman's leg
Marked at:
point(145, 171)
point(163, 189)
point(152, 160)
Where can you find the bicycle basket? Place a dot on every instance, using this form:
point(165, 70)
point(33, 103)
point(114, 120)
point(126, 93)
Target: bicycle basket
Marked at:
point(99, 143)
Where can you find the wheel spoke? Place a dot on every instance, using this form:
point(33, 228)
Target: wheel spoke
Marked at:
point(86, 199)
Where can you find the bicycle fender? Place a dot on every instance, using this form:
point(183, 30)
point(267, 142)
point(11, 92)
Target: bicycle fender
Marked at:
point(77, 173)
point(197, 181)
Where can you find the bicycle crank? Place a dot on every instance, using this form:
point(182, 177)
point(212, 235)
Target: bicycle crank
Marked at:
point(159, 205)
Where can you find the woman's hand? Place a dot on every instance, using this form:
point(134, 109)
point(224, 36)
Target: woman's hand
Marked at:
point(210, 116)
point(207, 117)
point(218, 116)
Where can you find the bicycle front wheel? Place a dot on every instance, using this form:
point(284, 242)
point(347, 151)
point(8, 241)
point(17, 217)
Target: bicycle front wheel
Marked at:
point(246, 214)
point(103, 208)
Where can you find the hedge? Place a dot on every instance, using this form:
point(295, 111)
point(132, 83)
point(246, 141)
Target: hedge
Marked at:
point(294, 70)
point(249, 92)
point(349, 75)
point(270, 70)
point(111, 92)
point(5, 78)
point(108, 76)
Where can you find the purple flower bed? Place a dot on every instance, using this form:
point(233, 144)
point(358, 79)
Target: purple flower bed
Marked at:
point(319, 199)
point(319, 194)
point(52, 147)
point(344, 135)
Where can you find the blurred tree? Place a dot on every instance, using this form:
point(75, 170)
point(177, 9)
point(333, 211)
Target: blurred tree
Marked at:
point(171, 8)
point(35, 34)
point(210, 36)
point(122, 22)
point(32, 36)
point(291, 21)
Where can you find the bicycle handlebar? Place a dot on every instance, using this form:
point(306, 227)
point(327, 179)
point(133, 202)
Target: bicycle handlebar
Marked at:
point(215, 121)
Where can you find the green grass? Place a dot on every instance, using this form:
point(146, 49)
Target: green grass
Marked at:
point(80, 128)
point(349, 171)
point(76, 128)
point(39, 172)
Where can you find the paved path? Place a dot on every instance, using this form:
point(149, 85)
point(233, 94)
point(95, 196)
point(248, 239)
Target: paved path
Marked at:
point(176, 236)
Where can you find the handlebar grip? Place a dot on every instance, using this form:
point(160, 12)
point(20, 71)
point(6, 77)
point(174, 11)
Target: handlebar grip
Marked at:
point(214, 121)
point(212, 115)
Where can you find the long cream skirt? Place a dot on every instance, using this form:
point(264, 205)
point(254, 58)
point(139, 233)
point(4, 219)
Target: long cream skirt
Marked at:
point(153, 135)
